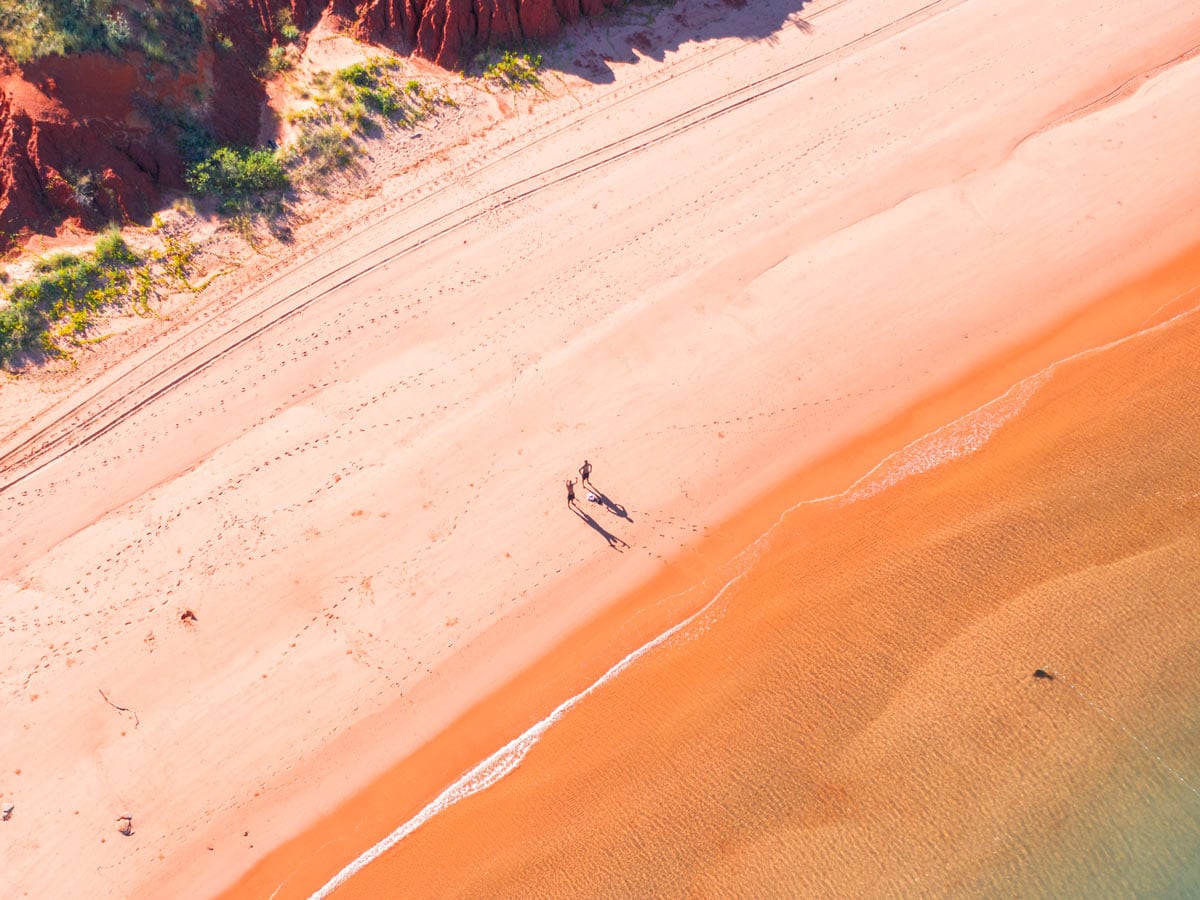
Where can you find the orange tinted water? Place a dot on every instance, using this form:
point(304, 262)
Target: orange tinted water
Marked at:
point(300, 866)
point(857, 714)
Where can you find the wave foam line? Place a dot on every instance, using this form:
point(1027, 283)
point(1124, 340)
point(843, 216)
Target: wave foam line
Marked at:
point(968, 433)
point(963, 436)
point(507, 758)
point(959, 438)
point(510, 756)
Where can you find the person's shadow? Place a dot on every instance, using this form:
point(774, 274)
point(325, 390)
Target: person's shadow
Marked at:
point(613, 541)
point(613, 507)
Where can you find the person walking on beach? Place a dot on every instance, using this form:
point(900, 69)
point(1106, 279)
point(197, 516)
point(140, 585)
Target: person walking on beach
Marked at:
point(570, 492)
point(585, 473)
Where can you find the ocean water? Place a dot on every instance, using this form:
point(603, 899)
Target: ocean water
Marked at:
point(857, 713)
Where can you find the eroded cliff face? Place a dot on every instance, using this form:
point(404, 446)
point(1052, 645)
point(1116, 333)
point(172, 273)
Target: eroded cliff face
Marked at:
point(93, 138)
point(73, 144)
point(447, 31)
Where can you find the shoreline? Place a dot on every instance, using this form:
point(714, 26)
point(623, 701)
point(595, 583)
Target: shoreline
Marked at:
point(359, 502)
point(640, 617)
point(868, 647)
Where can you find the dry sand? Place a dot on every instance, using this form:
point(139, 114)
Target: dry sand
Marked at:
point(701, 272)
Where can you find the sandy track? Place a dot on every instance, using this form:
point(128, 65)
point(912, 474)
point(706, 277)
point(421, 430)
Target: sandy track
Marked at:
point(700, 277)
point(158, 373)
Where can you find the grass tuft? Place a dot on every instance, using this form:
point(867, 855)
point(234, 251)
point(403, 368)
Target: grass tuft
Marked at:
point(52, 312)
point(279, 59)
point(349, 104)
point(287, 28)
point(515, 71)
point(167, 31)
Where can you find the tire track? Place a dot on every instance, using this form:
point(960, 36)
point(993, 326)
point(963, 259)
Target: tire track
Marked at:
point(29, 456)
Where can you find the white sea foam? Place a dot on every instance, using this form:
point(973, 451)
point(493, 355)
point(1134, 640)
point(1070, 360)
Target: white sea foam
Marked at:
point(959, 438)
point(969, 433)
point(506, 759)
point(962, 436)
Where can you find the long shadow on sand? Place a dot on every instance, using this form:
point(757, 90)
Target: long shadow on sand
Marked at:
point(612, 506)
point(652, 28)
point(613, 541)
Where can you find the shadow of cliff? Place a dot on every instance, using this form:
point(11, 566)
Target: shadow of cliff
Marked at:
point(652, 28)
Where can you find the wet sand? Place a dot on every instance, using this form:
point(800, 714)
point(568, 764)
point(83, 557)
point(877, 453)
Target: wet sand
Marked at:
point(980, 679)
point(303, 865)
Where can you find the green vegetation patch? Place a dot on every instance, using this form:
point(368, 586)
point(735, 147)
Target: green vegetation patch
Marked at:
point(167, 31)
point(53, 311)
point(287, 28)
point(348, 105)
point(240, 180)
point(280, 58)
point(515, 71)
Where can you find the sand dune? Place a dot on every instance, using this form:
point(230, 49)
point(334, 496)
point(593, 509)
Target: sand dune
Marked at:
point(702, 276)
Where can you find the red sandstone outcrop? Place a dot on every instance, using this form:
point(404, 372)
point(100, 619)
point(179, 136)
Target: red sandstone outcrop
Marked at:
point(446, 31)
point(72, 145)
point(95, 139)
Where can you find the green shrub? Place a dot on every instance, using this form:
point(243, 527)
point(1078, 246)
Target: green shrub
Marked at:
point(515, 71)
point(170, 30)
point(156, 48)
point(278, 59)
point(62, 299)
point(287, 28)
point(83, 187)
point(56, 262)
point(357, 116)
point(238, 178)
point(381, 100)
point(195, 141)
point(112, 251)
point(357, 75)
point(20, 324)
point(51, 311)
point(117, 26)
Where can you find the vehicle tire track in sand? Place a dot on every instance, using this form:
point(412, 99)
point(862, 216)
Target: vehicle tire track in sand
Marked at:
point(29, 454)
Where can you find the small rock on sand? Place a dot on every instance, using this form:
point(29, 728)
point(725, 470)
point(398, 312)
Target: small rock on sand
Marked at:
point(6, 811)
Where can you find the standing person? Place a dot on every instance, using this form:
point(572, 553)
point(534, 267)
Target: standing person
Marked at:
point(585, 473)
point(570, 492)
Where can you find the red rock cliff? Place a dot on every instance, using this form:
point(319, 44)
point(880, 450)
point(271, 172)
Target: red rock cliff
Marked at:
point(72, 145)
point(95, 139)
point(447, 31)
